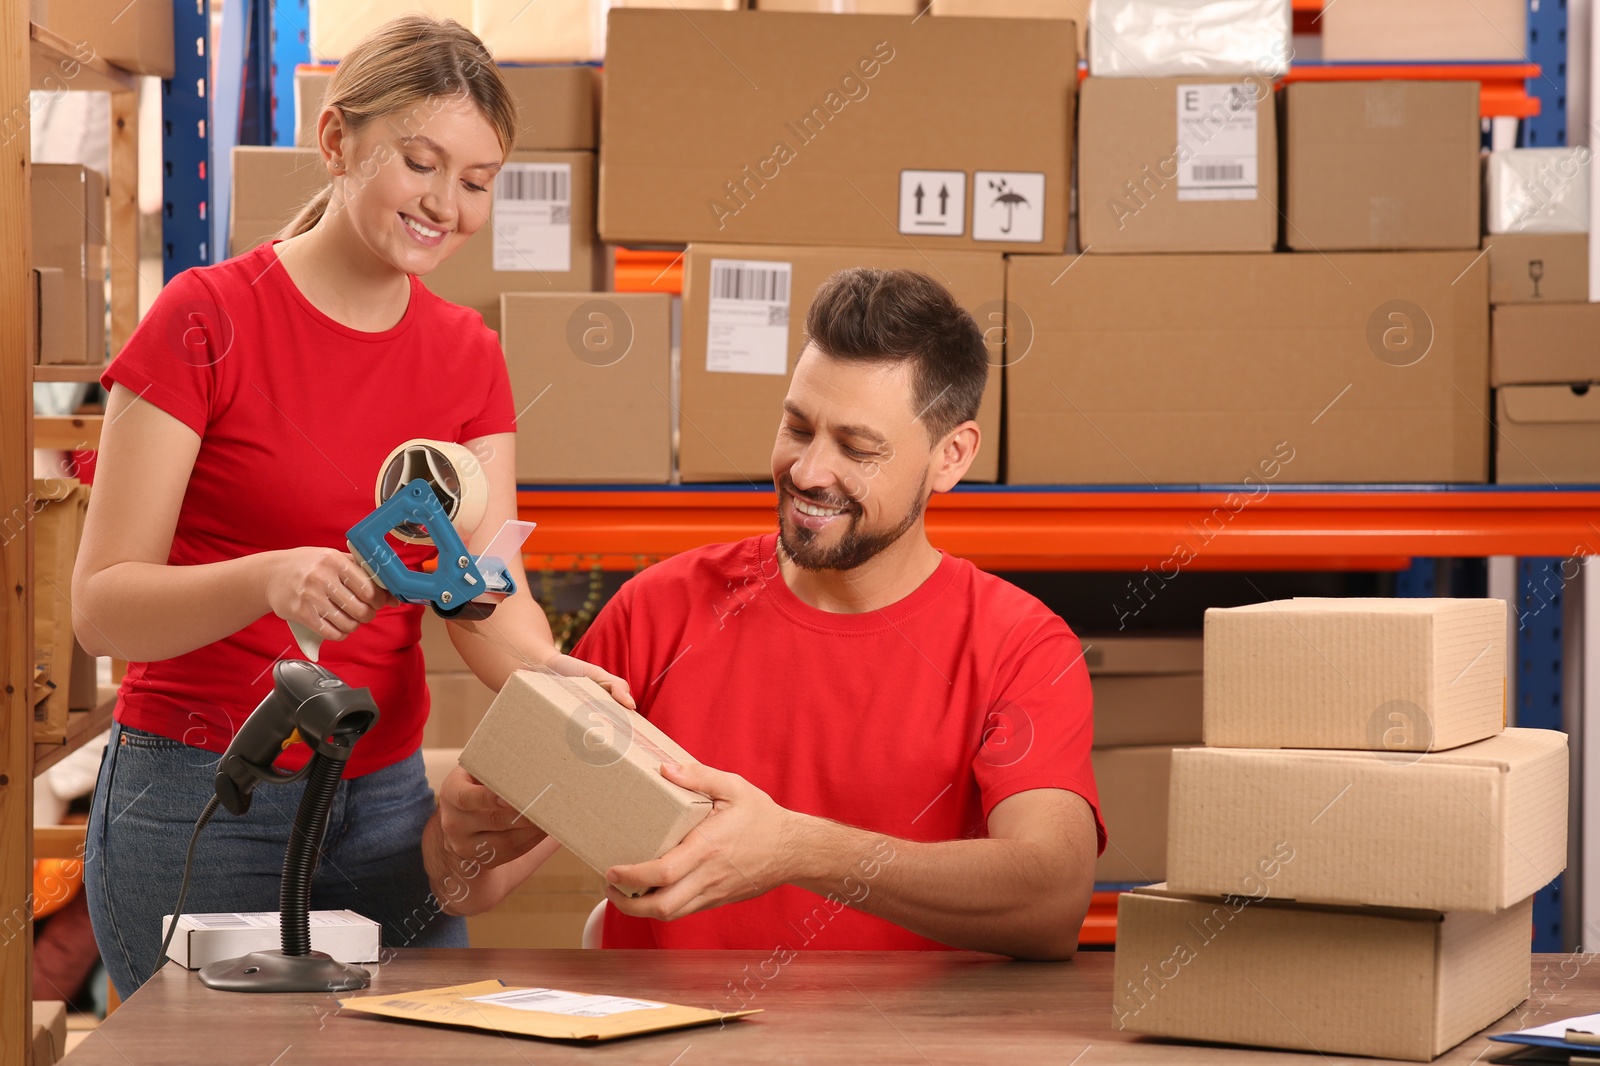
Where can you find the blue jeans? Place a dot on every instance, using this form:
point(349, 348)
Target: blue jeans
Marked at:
point(149, 793)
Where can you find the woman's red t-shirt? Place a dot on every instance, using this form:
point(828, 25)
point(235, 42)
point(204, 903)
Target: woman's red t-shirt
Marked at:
point(296, 413)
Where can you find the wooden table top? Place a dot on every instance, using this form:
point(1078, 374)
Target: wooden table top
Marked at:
point(915, 1008)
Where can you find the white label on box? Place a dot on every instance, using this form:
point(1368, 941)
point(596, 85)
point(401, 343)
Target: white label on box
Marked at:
point(933, 201)
point(1216, 142)
point(747, 317)
point(532, 220)
point(573, 1004)
point(1008, 206)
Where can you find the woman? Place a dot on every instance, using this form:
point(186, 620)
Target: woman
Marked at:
point(248, 416)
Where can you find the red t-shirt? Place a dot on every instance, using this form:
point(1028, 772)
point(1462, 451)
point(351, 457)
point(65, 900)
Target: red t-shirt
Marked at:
point(296, 412)
point(913, 720)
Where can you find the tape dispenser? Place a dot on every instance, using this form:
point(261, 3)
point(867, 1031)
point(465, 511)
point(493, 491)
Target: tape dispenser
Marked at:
point(431, 491)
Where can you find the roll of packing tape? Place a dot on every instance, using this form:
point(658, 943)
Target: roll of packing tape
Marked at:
point(455, 474)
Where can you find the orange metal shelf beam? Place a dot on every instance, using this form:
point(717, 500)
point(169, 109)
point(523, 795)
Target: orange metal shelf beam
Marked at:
point(1502, 87)
point(1091, 529)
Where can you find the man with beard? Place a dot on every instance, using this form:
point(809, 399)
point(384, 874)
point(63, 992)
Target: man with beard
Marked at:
point(896, 743)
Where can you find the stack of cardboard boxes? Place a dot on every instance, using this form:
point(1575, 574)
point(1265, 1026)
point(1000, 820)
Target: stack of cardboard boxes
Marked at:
point(67, 319)
point(1181, 348)
point(935, 145)
point(1353, 852)
point(1147, 701)
point(1546, 351)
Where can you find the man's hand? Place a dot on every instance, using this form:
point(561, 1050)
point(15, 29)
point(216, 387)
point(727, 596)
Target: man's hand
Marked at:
point(747, 845)
point(477, 824)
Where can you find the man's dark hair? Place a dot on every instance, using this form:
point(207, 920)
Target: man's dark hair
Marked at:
point(886, 316)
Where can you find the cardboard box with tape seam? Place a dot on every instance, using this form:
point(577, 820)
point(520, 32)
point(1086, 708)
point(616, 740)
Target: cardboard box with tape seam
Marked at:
point(571, 355)
point(270, 186)
point(457, 703)
point(1133, 803)
point(1552, 344)
point(1547, 434)
point(584, 769)
point(1077, 11)
point(58, 509)
point(1380, 165)
point(1246, 369)
point(1356, 673)
point(1365, 31)
point(556, 104)
point(735, 367)
point(69, 233)
point(1476, 828)
point(135, 37)
point(1186, 164)
point(1538, 268)
point(948, 134)
point(1407, 984)
point(539, 236)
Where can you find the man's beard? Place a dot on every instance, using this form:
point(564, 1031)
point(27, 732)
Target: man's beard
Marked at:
point(855, 547)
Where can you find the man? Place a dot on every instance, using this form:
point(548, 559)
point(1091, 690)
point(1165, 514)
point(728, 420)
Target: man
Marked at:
point(897, 743)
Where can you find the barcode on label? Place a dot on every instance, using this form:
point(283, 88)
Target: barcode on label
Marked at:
point(1219, 172)
point(527, 183)
point(730, 282)
point(220, 921)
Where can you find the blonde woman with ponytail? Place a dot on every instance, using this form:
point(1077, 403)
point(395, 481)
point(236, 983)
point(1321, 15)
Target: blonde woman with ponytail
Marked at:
point(247, 418)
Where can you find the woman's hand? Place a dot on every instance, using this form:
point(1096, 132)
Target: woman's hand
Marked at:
point(325, 590)
point(566, 664)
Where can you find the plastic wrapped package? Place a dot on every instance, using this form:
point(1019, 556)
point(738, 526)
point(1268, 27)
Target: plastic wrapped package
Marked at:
point(1539, 190)
point(1171, 38)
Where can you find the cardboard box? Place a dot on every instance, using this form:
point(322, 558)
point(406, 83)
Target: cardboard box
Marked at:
point(1163, 38)
point(1382, 30)
point(687, 5)
point(1183, 654)
point(1337, 980)
point(136, 37)
point(458, 702)
point(1381, 165)
point(571, 356)
point(730, 415)
point(1477, 828)
point(1366, 674)
point(202, 939)
point(1537, 190)
point(584, 768)
point(540, 236)
point(49, 1032)
point(1133, 804)
point(1137, 709)
point(548, 910)
point(516, 31)
point(270, 186)
point(1555, 344)
point(556, 105)
point(843, 7)
point(1075, 10)
point(58, 508)
point(48, 323)
point(337, 25)
point(1177, 165)
point(1254, 369)
point(1547, 434)
point(836, 145)
point(69, 233)
point(1538, 268)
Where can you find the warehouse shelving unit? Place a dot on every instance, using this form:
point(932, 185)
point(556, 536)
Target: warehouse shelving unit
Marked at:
point(1069, 527)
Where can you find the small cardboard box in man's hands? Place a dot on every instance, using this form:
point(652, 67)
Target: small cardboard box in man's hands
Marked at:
point(583, 768)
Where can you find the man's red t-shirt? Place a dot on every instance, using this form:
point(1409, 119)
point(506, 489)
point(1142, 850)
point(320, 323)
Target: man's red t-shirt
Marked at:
point(913, 720)
point(296, 412)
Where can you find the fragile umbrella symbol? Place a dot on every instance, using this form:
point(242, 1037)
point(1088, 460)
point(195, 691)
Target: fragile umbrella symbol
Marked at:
point(1004, 195)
